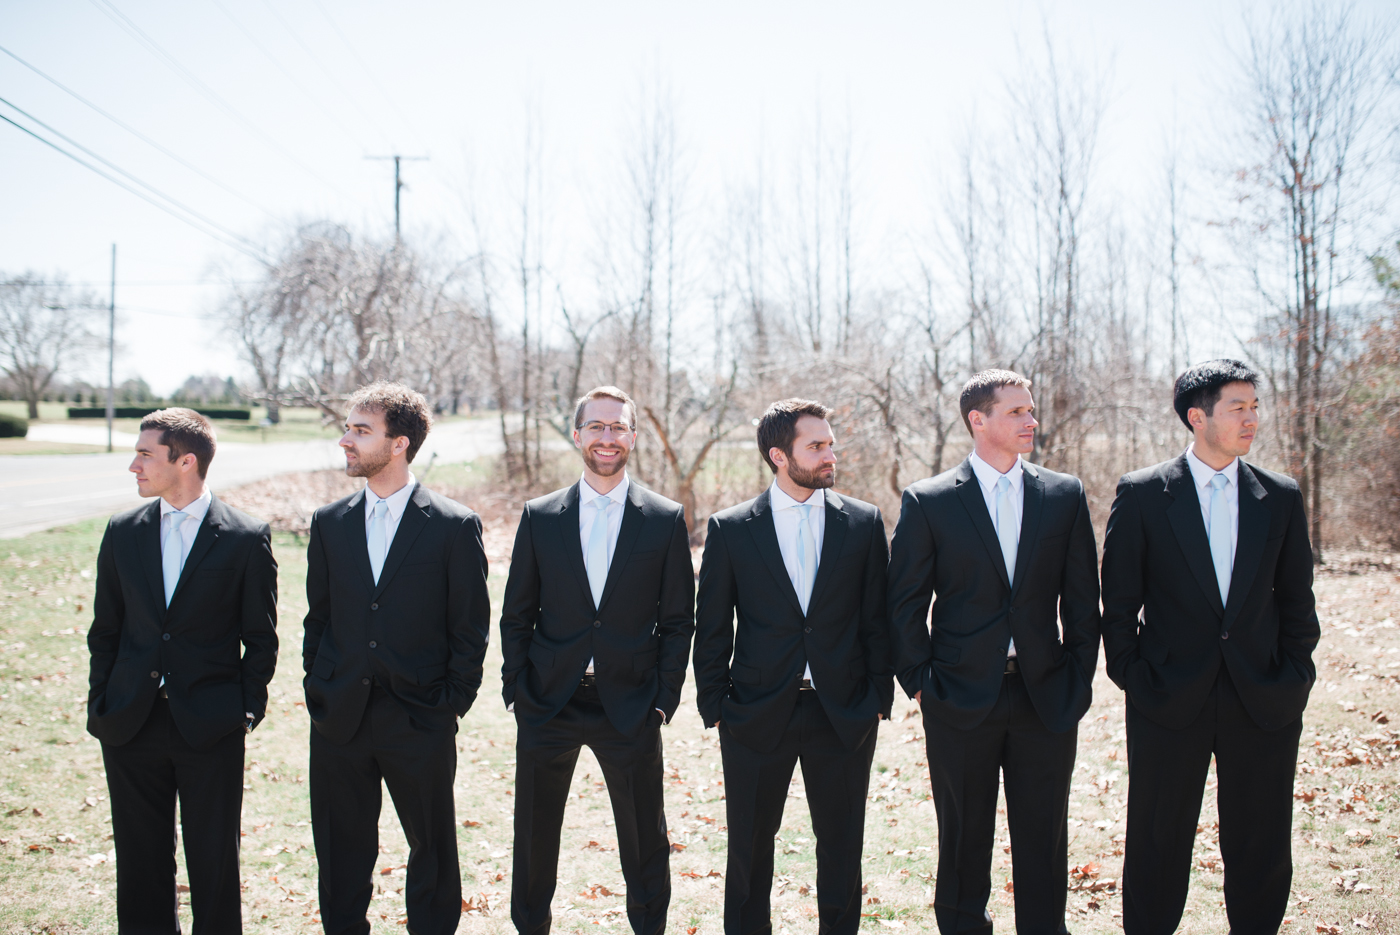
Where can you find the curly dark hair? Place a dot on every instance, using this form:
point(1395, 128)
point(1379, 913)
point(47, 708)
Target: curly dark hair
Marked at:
point(406, 412)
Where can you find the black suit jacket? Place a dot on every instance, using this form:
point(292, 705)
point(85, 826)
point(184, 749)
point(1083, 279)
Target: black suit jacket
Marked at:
point(421, 632)
point(226, 596)
point(945, 544)
point(844, 635)
point(639, 633)
point(1165, 630)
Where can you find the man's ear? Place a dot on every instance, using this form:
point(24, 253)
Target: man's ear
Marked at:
point(977, 419)
point(1196, 416)
point(778, 456)
point(400, 445)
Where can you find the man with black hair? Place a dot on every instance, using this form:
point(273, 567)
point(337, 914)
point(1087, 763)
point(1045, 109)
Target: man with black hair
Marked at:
point(1209, 626)
point(183, 642)
point(396, 629)
point(806, 673)
point(1003, 666)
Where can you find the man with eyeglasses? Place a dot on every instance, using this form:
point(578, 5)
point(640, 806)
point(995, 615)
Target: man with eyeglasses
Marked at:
point(595, 634)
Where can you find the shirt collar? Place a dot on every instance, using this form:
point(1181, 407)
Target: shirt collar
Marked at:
point(196, 508)
point(1202, 473)
point(396, 500)
point(988, 476)
point(586, 493)
point(779, 500)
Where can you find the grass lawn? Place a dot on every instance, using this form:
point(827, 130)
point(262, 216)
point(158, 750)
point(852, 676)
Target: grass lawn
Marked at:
point(55, 847)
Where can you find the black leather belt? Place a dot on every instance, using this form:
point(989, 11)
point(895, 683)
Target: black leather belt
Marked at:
point(589, 681)
point(805, 685)
point(1012, 666)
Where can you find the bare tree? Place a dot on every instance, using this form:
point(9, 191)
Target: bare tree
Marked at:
point(43, 327)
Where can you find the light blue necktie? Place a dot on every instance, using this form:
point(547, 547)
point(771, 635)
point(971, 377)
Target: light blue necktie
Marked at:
point(378, 548)
point(1008, 531)
point(1220, 535)
point(595, 560)
point(806, 554)
point(172, 557)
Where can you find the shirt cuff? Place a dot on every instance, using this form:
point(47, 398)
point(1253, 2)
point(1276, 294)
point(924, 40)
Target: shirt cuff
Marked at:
point(511, 707)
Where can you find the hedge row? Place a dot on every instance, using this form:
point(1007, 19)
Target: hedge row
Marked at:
point(13, 426)
point(136, 412)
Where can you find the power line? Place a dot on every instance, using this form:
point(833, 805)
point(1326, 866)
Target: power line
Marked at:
point(252, 37)
point(156, 49)
point(116, 168)
point(138, 134)
point(139, 194)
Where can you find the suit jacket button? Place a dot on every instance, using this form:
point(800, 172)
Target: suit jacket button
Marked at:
point(155, 675)
point(806, 629)
point(165, 636)
point(372, 644)
point(364, 681)
point(373, 606)
point(597, 624)
point(1225, 635)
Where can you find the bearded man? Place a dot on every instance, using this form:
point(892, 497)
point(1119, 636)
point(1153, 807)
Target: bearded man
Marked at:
point(595, 635)
point(396, 634)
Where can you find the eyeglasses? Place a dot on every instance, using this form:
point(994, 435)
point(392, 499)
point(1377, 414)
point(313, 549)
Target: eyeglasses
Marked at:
point(597, 429)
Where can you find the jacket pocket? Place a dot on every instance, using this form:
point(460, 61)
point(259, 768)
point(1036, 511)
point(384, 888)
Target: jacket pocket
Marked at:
point(946, 654)
point(541, 657)
point(323, 667)
point(750, 675)
point(643, 661)
point(427, 675)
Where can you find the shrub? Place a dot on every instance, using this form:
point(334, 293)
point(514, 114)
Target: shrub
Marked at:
point(13, 426)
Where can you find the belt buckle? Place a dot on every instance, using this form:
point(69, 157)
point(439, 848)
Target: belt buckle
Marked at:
point(589, 681)
point(805, 685)
point(1012, 666)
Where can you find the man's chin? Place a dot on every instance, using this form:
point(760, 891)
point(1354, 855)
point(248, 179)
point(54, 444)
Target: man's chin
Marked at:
point(605, 468)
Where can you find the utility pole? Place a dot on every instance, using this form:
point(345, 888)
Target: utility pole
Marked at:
point(111, 347)
point(398, 183)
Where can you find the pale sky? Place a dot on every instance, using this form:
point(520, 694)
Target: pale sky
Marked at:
point(292, 95)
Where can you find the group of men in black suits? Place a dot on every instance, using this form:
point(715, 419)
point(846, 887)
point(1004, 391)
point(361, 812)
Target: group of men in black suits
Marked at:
point(985, 607)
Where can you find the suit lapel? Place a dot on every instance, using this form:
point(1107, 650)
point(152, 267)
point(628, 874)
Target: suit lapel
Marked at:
point(569, 538)
point(633, 516)
point(1032, 501)
point(833, 538)
point(203, 541)
point(1249, 543)
point(148, 545)
point(765, 536)
point(1190, 529)
point(415, 516)
point(970, 493)
point(353, 518)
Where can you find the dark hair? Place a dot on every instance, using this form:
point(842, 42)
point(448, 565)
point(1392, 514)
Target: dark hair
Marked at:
point(1200, 387)
point(406, 413)
point(184, 432)
point(980, 391)
point(777, 427)
point(605, 392)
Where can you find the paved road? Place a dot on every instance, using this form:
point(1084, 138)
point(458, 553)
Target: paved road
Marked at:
point(42, 491)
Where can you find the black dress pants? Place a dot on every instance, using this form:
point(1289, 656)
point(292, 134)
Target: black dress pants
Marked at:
point(756, 787)
point(1166, 779)
point(544, 768)
point(1035, 767)
point(144, 778)
point(418, 765)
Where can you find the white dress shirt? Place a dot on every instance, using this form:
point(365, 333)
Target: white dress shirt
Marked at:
point(397, 502)
point(785, 522)
point(588, 515)
point(194, 511)
point(1201, 475)
point(987, 478)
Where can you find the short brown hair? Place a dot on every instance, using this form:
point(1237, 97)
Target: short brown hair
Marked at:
point(184, 432)
point(980, 392)
point(777, 427)
point(406, 413)
point(605, 392)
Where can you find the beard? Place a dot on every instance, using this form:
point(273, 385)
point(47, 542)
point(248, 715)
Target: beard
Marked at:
point(601, 468)
point(369, 463)
point(812, 479)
